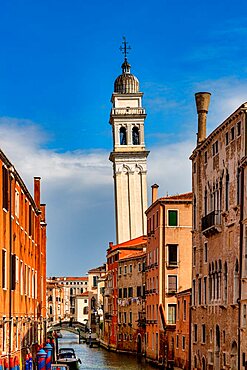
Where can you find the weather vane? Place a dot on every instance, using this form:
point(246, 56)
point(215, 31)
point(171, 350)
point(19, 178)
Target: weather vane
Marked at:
point(125, 49)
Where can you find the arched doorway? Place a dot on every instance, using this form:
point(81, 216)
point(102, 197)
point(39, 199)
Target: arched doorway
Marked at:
point(139, 344)
point(234, 353)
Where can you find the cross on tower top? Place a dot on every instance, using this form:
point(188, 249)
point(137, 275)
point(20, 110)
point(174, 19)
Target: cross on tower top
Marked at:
point(125, 49)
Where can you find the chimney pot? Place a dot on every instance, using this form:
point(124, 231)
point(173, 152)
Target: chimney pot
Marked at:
point(202, 104)
point(154, 192)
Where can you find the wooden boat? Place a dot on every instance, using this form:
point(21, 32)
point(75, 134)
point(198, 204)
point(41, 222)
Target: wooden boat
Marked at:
point(67, 356)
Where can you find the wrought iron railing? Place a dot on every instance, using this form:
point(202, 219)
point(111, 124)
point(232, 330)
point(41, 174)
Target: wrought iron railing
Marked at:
point(212, 219)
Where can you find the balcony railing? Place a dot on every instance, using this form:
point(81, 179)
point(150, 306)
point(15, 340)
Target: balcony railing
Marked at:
point(120, 111)
point(212, 220)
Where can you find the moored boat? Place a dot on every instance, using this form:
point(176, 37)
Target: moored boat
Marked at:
point(68, 357)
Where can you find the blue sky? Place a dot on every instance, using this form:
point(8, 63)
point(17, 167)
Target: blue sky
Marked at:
point(58, 63)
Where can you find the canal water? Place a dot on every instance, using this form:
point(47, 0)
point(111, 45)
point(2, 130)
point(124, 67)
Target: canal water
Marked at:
point(99, 358)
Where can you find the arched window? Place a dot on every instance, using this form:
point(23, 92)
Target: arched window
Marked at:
point(225, 283)
point(217, 338)
point(50, 310)
point(236, 283)
point(205, 202)
point(203, 363)
point(195, 362)
point(135, 136)
point(227, 191)
point(123, 140)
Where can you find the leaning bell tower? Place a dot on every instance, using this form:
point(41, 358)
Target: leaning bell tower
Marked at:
point(129, 155)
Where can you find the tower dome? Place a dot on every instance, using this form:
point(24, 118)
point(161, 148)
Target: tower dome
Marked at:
point(126, 83)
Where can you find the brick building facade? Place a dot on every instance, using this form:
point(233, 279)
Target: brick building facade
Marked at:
point(219, 242)
point(22, 264)
point(131, 303)
point(168, 269)
point(114, 254)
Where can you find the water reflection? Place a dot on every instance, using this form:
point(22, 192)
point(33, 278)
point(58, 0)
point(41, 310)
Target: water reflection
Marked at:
point(99, 358)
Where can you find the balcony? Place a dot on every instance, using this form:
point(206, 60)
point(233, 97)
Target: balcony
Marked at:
point(211, 223)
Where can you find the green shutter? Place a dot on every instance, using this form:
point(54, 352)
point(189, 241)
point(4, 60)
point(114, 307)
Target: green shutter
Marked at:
point(172, 218)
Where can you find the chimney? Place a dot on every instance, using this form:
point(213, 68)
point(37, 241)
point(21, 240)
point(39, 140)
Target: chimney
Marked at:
point(110, 245)
point(37, 191)
point(202, 103)
point(154, 192)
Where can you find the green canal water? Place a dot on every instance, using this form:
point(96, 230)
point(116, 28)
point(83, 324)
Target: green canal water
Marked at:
point(99, 358)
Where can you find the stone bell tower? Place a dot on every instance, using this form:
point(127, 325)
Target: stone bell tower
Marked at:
point(129, 155)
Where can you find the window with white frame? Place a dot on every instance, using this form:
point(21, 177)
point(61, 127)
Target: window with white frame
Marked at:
point(172, 254)
point(171, 314)
point(172, 283)
point(17, 203)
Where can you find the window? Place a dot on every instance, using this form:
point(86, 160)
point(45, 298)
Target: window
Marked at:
point(125, 269)
point(135, 136)
point(139, 291)
point(195, 332)
point(5, 188)
point(205, 252)
point(232, 133)
point(125, 317)
point(130, 269)
point(172, 255)
point(130, 317)
point(172, 283)
point(205, 289)
point(215, 148)
point(17, 203)
point(185, 310)
point(172, 217)
point(183, 342)
point(120, 293)
point(203, 333)
point(123, 135)
point(239, 128)
point(194, 167)
point(199, 291)
point(4, 269)
point(244, 315)
point(177, 341)
point(120, 270)
point(227, 138)
point(193, 292)
point(227, 191)
point(139, 267)
point(206, 157)
point(171, 314)
point(194, 256)
point(85, 310)
point(124, 292)
point(95, 280)
point(238, 186)
point(130, 292)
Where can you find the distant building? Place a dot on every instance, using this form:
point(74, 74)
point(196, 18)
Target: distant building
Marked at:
point(169, 222)
point(96, 278)
point(81, 308)
point(219, 288)
point(182, 348)
point(131, 303)
point(55, 301)
point(71, 286)
point(114, 254)
point(22, 264)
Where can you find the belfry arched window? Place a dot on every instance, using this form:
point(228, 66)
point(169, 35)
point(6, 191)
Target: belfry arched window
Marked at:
point(123, 140)
point(135, 136)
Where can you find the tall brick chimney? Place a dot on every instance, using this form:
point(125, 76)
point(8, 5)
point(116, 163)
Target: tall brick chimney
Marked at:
point(202, 103)
point(37, 191)
point(154, 192)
